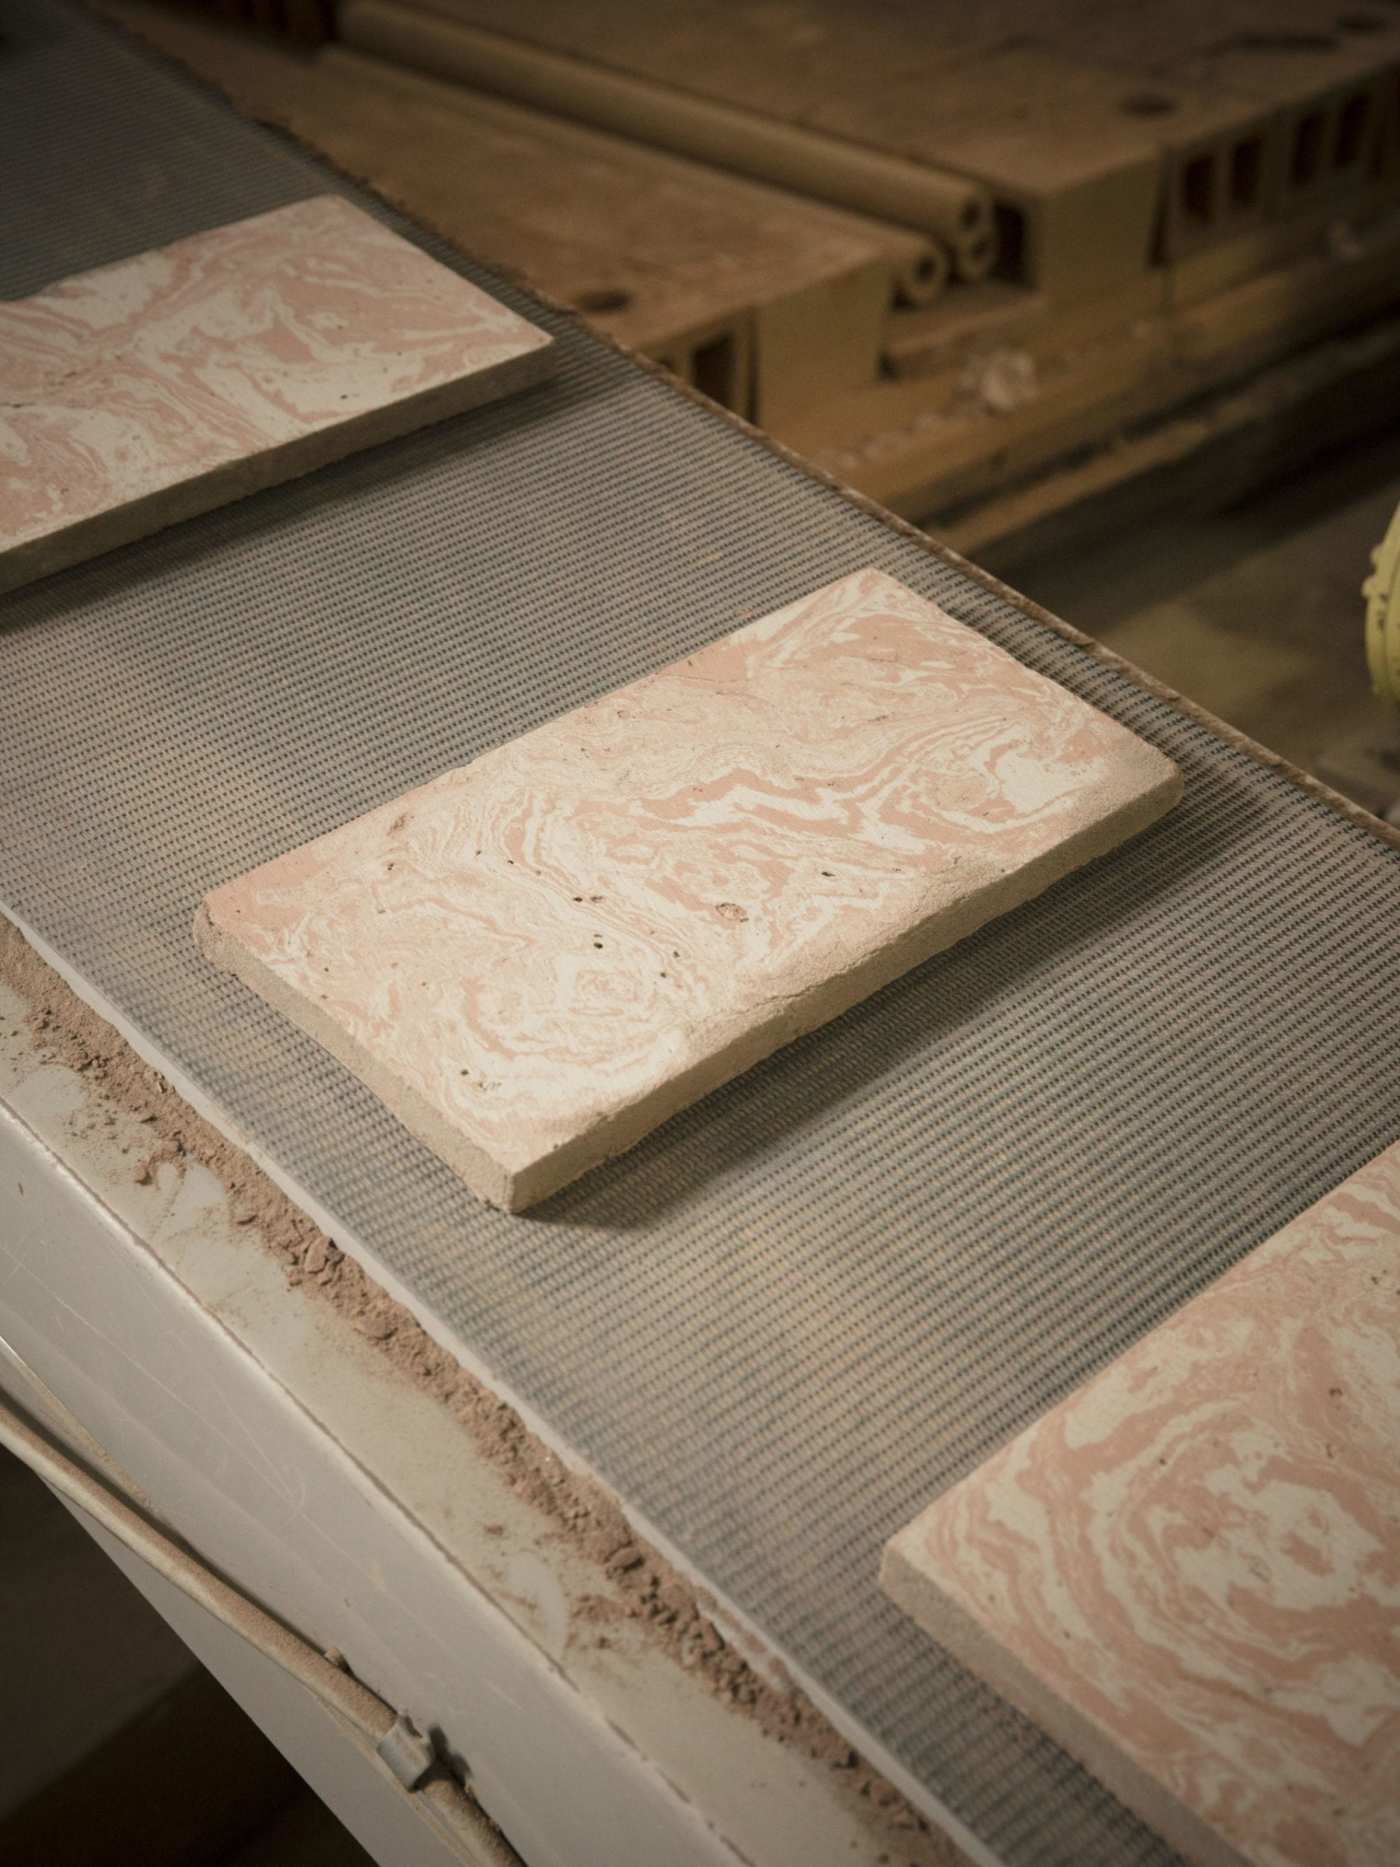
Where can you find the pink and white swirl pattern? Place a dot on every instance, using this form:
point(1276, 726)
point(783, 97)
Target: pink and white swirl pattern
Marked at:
point(247, 353)
point(537, 958)
point(1191, 1567)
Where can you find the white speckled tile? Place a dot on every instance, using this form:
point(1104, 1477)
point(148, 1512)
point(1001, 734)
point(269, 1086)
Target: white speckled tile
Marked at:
point(537, 958)
point(166, 384)
point(1189, 1570)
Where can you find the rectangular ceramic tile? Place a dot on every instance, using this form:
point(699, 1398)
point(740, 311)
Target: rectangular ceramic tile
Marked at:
point(158, 387)
point(537, 958)
point(1189, 1571)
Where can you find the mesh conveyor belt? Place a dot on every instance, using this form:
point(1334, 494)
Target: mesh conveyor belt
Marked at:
point(788, 1318)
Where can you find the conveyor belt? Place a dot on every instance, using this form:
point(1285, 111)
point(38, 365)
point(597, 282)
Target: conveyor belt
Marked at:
point(789, 1317)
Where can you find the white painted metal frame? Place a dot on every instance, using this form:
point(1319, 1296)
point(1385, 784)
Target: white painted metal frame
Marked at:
point(271, 1436)
point(229, 1459)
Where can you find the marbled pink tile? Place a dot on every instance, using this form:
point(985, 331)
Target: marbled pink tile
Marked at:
point(1189, 1571)
point(158, 387)
point(536, 959)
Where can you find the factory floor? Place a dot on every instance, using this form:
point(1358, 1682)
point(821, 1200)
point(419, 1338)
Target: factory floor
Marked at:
point(1255, 612)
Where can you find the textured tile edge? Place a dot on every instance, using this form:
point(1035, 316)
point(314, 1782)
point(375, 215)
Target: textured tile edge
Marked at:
point(953, 1628)
point(206, 492)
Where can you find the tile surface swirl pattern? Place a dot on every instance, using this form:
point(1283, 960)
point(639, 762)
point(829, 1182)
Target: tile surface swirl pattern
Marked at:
point(536, 958)
point(152, 388)
point(1190, 1569)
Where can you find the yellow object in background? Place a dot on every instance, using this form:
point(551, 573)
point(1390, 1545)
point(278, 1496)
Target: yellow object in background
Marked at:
point(1382, 593)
